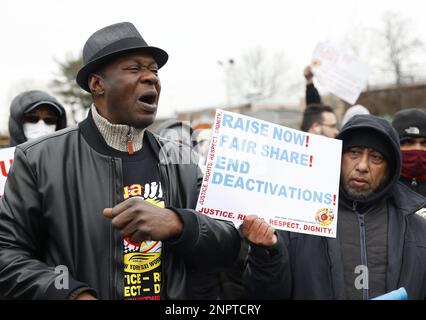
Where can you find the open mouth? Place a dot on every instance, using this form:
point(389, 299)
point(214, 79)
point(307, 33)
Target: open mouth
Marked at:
point(149, 100)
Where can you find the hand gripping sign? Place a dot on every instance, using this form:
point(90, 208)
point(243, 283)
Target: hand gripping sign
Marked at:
point(288, 177)
point(6, 159)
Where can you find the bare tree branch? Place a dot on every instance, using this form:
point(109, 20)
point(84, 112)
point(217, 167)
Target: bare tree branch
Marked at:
point(399, 45)
point(74, 98)
point(258, 77)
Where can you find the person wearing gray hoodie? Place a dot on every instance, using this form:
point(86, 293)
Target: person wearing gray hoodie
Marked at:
point(381, 238)
point(34, 114)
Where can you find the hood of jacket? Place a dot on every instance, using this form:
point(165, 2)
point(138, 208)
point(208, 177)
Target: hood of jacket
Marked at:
point(21, 104)
point(390, 138)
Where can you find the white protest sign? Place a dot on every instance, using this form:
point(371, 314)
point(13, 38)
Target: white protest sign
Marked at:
point(6, 159)
point(339, 72)
point(288, 177)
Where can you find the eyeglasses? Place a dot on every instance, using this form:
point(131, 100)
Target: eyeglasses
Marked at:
point(34, 119)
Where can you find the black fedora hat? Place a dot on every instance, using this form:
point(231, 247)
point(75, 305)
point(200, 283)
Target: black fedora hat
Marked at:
point(109, 42)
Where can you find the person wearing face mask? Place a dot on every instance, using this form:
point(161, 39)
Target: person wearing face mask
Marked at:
point(411, 127)
point(34, 114)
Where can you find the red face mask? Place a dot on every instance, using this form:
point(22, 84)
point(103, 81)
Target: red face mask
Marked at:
point(414, 164)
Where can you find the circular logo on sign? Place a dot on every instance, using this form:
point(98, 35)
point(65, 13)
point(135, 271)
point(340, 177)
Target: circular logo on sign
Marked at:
point(324, 216)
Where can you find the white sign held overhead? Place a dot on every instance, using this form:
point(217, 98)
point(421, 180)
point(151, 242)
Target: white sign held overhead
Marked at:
point(6, 160)
point(288, 177)
point(339, 72)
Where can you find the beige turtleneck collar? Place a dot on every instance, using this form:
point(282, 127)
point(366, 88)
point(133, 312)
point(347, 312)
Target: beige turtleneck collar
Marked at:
point(117, 135)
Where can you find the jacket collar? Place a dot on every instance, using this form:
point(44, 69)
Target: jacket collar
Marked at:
point(117, 135)
point(94, 138)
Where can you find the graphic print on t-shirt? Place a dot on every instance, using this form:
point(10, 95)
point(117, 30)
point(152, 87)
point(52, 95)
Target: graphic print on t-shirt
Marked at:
point(142, 261)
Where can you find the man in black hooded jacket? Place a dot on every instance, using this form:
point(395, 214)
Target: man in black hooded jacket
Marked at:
point(381, 241)
point(33, 114)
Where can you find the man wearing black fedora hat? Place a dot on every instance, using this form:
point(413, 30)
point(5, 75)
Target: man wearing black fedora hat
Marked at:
point(100, 210)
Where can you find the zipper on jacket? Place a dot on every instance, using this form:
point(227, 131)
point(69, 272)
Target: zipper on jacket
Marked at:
point(115, 243)
point(363, 248)
point(414, 182)
point(164, 179)
point(130, 148)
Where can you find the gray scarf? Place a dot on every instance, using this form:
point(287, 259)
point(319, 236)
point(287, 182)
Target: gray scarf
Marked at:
point(117, 135)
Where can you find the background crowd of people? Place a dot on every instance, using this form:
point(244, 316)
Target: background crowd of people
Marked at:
point(107, 195)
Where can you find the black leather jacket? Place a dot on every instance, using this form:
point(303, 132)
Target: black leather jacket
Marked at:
point(51, 215)
point(415, 185)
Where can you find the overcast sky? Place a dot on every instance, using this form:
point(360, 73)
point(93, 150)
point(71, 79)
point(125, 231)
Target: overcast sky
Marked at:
point(195, 33)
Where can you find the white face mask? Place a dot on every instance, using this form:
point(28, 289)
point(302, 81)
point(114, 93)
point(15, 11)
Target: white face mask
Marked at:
point(39, 129)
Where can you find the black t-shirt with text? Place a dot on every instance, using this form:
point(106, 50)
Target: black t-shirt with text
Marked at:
point(142, 261)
